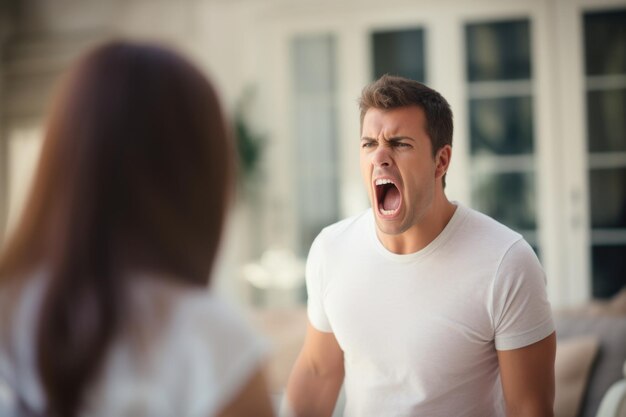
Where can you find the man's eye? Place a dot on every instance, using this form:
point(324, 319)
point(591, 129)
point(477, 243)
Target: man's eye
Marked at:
point(367, 144)
point(402, 145)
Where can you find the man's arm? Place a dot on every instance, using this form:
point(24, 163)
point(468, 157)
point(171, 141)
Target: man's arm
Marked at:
point(528, 378)
point(317, 375)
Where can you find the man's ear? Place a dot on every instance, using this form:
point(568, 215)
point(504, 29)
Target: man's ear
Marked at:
point(442, 161)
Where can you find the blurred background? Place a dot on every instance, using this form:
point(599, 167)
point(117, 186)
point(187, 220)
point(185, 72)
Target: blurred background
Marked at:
point(537, 87)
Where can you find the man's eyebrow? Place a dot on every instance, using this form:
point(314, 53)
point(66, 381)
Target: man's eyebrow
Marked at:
point(392, 139)
point(398, 138)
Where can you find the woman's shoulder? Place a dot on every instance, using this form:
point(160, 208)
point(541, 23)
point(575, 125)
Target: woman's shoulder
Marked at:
point(193, 314)
point(208, 319)
point(186, 346)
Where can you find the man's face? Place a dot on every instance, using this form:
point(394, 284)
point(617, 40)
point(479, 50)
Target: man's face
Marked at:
point(398, 167)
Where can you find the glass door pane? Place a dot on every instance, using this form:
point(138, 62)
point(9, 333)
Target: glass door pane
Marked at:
point(399, 52)
point(317, 194)
point(498, 64)
point(605, 76)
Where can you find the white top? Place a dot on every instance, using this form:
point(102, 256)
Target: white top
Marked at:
point(420, 331)
point(182, 352)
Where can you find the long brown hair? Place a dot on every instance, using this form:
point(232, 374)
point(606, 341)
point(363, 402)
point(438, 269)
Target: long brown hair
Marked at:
point(135, 173)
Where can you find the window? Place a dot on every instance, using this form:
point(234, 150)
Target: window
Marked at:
point(399, 52)
point(500, 106)
point(605, 76)
point(315, 135)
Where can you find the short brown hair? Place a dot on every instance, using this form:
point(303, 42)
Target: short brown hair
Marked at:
point(390, 92)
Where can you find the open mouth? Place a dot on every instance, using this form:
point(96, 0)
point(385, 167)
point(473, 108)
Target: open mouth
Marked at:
point(387, 196)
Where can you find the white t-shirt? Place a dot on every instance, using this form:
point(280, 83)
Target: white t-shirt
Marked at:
point(181, 352)
point(420, 331)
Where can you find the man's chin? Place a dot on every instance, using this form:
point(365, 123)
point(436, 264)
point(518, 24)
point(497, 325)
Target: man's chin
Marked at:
point(390, 227)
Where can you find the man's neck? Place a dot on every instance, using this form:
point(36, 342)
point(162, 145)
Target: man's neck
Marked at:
point(421, 234)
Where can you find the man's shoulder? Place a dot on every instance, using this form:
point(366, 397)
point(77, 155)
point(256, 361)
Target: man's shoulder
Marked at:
point(355, 226)
point(482, 229)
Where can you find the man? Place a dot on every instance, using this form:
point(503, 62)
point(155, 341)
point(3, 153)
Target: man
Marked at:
point(427, 307)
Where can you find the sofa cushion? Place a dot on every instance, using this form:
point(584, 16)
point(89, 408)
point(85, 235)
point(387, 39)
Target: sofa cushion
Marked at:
point(615, 306)
point(574, 358)
point(607, 369)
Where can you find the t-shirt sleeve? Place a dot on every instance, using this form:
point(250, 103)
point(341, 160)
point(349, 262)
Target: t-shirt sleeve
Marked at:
point(521, 312)
point(314, 275)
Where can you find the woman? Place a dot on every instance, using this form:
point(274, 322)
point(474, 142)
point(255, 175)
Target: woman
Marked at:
point(103, 285)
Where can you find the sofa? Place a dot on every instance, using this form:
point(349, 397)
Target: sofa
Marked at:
point(589, 369)
point(591, 357)
point(614, 401)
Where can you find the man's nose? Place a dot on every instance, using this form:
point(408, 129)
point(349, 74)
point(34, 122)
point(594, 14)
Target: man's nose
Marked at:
point(381, 157)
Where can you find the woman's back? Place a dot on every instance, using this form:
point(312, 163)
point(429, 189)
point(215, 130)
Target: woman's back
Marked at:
point(180, 352)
